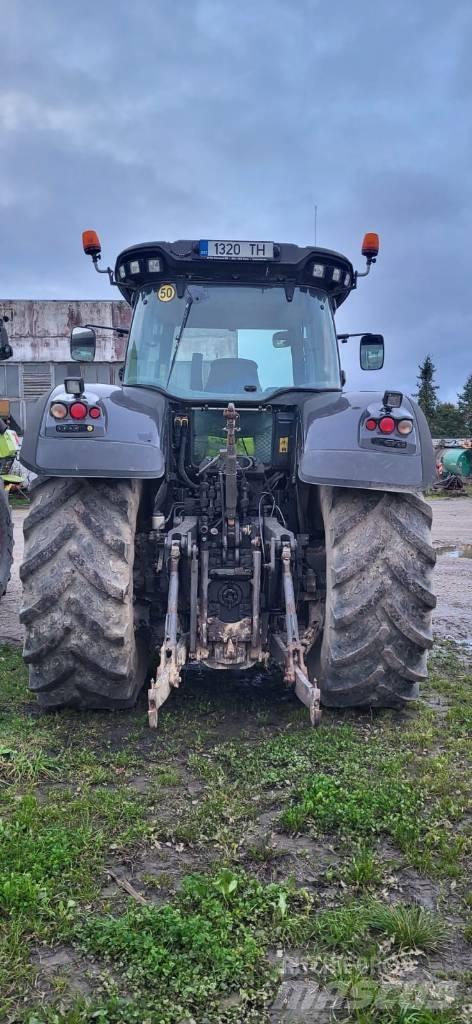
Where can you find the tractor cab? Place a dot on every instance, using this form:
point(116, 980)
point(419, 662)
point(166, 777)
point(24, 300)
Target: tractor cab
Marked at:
point(246, 320)
point(250, 320)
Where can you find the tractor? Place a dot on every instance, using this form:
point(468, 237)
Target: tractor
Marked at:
point(229, 505)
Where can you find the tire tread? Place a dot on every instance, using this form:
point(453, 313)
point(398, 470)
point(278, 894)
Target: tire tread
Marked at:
point(77, 608)
point(379, 600)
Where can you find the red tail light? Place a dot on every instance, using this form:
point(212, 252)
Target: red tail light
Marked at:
point(78, 410)
point(95, 412)
point(370, 424)
point(387, 425)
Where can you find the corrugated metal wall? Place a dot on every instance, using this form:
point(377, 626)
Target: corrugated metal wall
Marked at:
point(39, 332)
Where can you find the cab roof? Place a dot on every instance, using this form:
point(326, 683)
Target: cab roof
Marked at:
point(183, 261)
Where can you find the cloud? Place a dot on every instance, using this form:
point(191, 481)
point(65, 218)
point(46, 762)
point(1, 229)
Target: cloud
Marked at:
point(187, 119)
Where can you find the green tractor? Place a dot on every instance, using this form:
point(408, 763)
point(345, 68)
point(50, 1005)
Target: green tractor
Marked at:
point(230, 504)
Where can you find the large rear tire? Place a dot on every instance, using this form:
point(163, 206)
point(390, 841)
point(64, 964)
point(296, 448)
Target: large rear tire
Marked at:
point(6, 540)
point(379, 564)
point(77, 575)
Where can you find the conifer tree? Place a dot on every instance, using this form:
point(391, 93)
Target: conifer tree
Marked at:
point(465, 404)
point(447, 421)
point(426, 394)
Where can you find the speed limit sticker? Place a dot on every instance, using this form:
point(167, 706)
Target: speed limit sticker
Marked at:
point(166, 293)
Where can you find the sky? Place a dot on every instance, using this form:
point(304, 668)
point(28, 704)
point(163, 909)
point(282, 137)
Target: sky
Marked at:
point(151, 120)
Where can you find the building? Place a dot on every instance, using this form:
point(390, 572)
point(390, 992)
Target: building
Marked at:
point(39, 333)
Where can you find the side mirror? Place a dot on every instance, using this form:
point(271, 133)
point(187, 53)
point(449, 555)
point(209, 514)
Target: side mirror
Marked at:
point(281, 339)
point(82, 344)
point(372, 351)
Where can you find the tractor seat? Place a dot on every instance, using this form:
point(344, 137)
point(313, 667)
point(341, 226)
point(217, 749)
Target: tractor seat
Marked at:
point(229, 375)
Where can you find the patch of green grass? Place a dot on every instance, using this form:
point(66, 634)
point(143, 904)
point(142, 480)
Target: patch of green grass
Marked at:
point(364, 805)
point(353, 927)
point(52, 855)
point(27, 766)
point(409, 927)
point(459, 720)
point(167, 776)
point(13, 676)
point(396, 1012)
point(363, 870)
point(44, 863)
point(344, 929)
point(215, 819)
point(180, 959)
point(282, 759)
point(70, 804)
point(52, 849)
point(366, 1000)
point(263, 852)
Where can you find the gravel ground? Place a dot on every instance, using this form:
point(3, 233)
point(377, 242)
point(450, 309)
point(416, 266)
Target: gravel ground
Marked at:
point(452, 530)
point(10, 629)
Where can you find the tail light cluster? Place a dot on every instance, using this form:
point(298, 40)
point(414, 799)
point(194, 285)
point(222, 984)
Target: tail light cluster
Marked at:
point(76, 410)
point(387, 425)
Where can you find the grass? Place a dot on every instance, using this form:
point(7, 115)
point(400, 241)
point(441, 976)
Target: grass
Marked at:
point(363, 870)
point(397, 1013)
point(408, 927)
point(362, 806)
point(27, 766)
point(224, 839)
point(186, 955)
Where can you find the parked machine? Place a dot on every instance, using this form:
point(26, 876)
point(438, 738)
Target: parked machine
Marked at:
point(453, 462)
point(8, 450)
point(230, 505)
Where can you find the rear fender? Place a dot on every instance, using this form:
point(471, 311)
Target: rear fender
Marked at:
point(126, 442)
point(337, 450)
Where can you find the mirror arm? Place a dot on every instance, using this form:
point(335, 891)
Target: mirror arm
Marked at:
point(103, 327)
point(344, 337)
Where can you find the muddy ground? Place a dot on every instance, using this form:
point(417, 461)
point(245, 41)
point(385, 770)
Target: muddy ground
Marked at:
point(452, 536)
point(214, 792)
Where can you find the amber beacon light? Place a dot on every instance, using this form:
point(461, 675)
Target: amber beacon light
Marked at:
point(370, 245)
point(91, 243)
point(92, 247)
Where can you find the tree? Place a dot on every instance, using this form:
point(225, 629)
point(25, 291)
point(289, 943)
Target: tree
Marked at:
point(426, 393)
point(465, 404)
point(447, 421)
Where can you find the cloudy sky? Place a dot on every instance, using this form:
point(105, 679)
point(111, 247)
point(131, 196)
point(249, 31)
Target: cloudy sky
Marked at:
point(166, 119)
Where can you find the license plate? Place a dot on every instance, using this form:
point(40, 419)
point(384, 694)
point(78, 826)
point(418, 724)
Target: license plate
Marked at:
point(215, 250)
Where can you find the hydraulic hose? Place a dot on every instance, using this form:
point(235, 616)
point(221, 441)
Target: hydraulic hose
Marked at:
point(181, 463)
